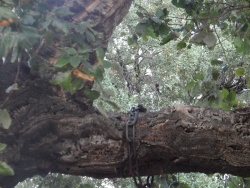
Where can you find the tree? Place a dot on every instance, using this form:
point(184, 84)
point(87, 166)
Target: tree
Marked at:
point(57, 131)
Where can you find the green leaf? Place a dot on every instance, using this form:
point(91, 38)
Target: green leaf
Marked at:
point(75, 61)
point(75, 85)
point(66, 82)
point(181, 45)
point(148, 32)
point(9, 42)
point(91, 94)
point(46, 24)
point(239, 44)
point(179, 3)
point(198, 76)
point(162, 13)
point(85, 49)
point(190, 85)
point(100, 54)
point(28, 20)
point(216, 62)
point(14, 45)
point(224, 105)
point(236, 182)
point(248, 82)
point(61, 25)
point(98, 72)
point(62, 61)
point(5, 119)
point(70, 51)
point(240, 71)
point(159, 13)
point(63, 79)
point(140, 28)
point(141, 15)
point(164, 29)
point(231, 96)
point(247, 182)
point(2, 146)
point(4, 50)
point(171, 36)
point(215, 74)
point(132, 40)
point(82, 27)
point(107, 64)
point(189, 26)
point(14, 54)
point(90, 37)
point(6, 13)
point(5, 169)
point(183, 185)
point(196, 89)
point(224, 93)
point(30, 34)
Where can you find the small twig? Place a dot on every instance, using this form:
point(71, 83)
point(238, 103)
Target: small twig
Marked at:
point(220, 42)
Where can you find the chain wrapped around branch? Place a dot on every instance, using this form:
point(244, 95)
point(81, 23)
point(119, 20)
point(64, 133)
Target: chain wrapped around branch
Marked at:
point(130, 136)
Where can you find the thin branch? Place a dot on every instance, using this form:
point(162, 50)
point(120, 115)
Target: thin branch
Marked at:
point(220, 42)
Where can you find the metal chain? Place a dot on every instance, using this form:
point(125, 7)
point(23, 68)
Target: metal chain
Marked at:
point(132, 120)
point(133, 160)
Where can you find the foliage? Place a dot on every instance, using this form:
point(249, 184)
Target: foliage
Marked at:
point(211, 25)
point(29, 30)
point(5, 169)
point(181, 180)
point(5, 122)
point(53, 180)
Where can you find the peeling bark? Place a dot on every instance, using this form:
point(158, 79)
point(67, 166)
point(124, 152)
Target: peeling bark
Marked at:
point(54, 132)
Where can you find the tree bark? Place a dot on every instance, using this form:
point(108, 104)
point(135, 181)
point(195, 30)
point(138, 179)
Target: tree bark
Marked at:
point(52, 131)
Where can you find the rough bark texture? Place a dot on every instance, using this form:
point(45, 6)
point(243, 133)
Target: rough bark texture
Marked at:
point(53, 132)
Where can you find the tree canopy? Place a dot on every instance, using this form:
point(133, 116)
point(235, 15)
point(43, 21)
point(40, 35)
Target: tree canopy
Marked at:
point(69, 71)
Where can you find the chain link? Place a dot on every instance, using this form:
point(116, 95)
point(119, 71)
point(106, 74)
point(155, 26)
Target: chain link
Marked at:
point(132, 120)
point(133, 160)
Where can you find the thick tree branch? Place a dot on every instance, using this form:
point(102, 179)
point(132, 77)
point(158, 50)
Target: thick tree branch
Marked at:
point(55, 133)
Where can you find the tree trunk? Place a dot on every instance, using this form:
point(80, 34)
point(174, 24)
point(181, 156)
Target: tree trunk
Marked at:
point(54, 132)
